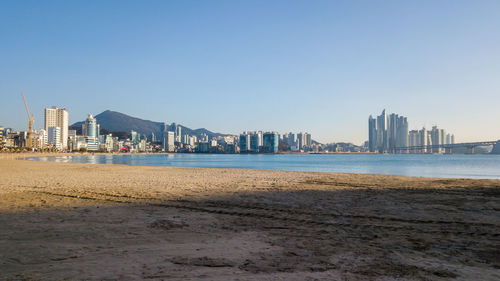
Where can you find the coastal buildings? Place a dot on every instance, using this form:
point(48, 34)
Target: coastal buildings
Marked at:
point(389, 134)
point(251, 142)
point(297, 142)
point(54, 137)
point(58, 117)
point(386, 132)
point(90, 130)
point(169, 141)
point(428, 141)
point(372, 134)
point(2, 130)
point(270, 142)
point(134, 137)
point(257, 141)
point(289, 138)
point(244, 142)
point(178, 133)
point(40, 139)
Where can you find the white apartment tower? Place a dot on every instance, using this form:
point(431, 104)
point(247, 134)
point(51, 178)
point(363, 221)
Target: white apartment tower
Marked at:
point(58, 117)
point(169, 141)
point(54, 137)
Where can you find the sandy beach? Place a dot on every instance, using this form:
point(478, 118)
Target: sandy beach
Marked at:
point(61, 221)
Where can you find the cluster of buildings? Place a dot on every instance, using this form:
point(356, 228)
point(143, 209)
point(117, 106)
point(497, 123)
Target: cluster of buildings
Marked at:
point(388, 133)
point(54, 135)
point(259, 142)
point(298, 142)
point(58, 136)
point(175, 140)
point(90, 138)
point(425, 141)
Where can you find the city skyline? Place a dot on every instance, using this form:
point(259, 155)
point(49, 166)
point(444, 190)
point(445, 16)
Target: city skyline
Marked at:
point(274, 66)
point(174, 127)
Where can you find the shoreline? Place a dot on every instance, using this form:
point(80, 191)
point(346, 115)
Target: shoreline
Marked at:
point(445, 174)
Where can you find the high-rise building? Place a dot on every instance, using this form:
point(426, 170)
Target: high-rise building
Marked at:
point(301, 141)
point(250, 141)
point(387, 132)
point(2, 131)
point(178, 133)
point(270, 142)
point(255, 141)
point(134, 137)
point(177, 129)
point(244, 142)
point(169, 141)
point(382, 134)
point(308, 140)
point(372, 134)
point(54, 137)
point(414, 140)
point(289, 139)
point(58, 117)
point(90, 130)
point(186, 139)
point(401, 132)
point(424, 139)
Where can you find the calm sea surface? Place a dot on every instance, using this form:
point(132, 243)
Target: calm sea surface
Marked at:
point(427, 165)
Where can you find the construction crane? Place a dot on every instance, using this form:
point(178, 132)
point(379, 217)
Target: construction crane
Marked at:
point(31, 119)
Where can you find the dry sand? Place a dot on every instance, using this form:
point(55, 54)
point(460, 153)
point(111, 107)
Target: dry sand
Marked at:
point(61, 221)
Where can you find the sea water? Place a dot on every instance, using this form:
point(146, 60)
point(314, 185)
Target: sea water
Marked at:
point(421, 165)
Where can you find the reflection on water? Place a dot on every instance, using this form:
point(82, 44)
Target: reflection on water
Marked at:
point(464, 166)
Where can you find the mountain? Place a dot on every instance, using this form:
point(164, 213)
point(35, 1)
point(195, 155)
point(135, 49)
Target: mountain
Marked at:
point(112, 121)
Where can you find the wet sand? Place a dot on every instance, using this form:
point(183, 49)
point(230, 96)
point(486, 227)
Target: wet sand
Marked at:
point(61, 221)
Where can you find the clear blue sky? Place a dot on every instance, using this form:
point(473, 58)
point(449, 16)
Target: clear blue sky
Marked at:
point(229, 66)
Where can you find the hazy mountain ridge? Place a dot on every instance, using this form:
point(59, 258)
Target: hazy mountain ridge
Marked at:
point(118, 122)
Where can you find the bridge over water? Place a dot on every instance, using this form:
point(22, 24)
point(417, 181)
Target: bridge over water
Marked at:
point(448, 148)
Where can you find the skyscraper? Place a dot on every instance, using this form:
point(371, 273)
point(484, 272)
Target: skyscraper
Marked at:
point(372, 134)
point(58, 117)
point(308, 140)
point(134, 137)
point(90, 130)
point(424, 139)
point(301, 140)
point(414, 140)
point(169, 141)
point(382, 134)
point(270, 142)
point(289, 139)
point(255, 141)
point(178, 133)
point(387, 132)
point(244, 142)
point(177, 129)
